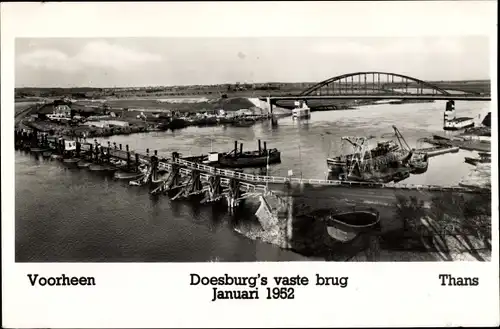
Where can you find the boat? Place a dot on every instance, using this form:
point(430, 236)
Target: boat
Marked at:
point(401, 175)
point(451, 122)
point(365, 164)
point(301, 111)
point(83, 164)
point(128, 175)
point(458, 124)
point(250, 159)
point(259, 158)
point(432, 152)
point(97, 167)
point(38, 149)
point(471, 161)
point(475, 161)
point(485, 155)
point(56, 156)
point(245, 122)
point(71, 161)
point(346, 226)
point(419, 162)
point(110, 168)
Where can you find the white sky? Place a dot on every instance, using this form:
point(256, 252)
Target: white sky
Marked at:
point(126, 62)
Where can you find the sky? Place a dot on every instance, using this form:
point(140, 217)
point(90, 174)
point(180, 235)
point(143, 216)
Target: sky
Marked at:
point(138, 62)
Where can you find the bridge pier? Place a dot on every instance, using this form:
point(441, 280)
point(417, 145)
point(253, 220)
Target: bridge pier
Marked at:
point(154, 168)
point(137, 163)
point(214, 192)
point(172, 182)
point(78, 149)
point(275, 215)
point(192, 187)
point(233, 193)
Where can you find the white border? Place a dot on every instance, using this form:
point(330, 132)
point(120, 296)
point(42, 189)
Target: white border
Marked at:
point(158, 295)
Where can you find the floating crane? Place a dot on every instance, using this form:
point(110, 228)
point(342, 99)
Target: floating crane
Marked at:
point(401, 139)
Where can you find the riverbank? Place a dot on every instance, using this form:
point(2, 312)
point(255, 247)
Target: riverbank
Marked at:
point(131, 116)
point(413, 227)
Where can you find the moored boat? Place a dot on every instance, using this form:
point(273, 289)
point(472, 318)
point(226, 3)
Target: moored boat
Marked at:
point(38, 149)
point(110, 168)
point(366, 162)
point(249, 159)
point(451, 122)
point(475, 161)
point(401, 175)
point(56, 156)
point(245, 122)
point(485, 155)
point(128, 175)
point(83, 164)
point(471, 161)
point(97, 167)
point(346, 226)
point(71, 161)
point(419, 162)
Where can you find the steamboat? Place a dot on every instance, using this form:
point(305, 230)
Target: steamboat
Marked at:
point(248, 159)
point(451, 122)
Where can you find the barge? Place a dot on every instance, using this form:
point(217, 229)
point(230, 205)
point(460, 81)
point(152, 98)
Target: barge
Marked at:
point(239, 159)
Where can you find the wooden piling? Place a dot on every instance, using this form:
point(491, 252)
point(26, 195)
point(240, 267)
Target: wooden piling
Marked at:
point(78, 149)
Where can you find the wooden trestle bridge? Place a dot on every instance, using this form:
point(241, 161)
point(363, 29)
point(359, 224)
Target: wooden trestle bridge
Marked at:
point(187, 177)
point(184, 178)
point(190, 177)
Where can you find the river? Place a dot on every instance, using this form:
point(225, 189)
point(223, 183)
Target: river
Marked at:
point(73, 215)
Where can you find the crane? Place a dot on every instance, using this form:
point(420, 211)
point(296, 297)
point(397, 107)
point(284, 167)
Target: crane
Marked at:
point(401, 139)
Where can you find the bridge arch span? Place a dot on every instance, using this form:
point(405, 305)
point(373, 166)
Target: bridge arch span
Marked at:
point(359, 83)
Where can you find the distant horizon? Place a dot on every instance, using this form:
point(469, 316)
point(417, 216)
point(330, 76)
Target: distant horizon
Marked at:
point(159, 62)
point(223, 83)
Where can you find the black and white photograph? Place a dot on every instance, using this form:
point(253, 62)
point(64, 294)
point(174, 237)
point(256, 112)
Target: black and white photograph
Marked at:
point(252, 149)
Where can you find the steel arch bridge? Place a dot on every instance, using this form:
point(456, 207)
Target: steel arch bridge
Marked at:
point(375, 83)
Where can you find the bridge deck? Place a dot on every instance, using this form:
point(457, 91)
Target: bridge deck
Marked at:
point(258, 181)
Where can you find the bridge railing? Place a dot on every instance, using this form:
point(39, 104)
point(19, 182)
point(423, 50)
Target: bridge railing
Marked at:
point(225, 181)
point(280, 180)
point(250, 178)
